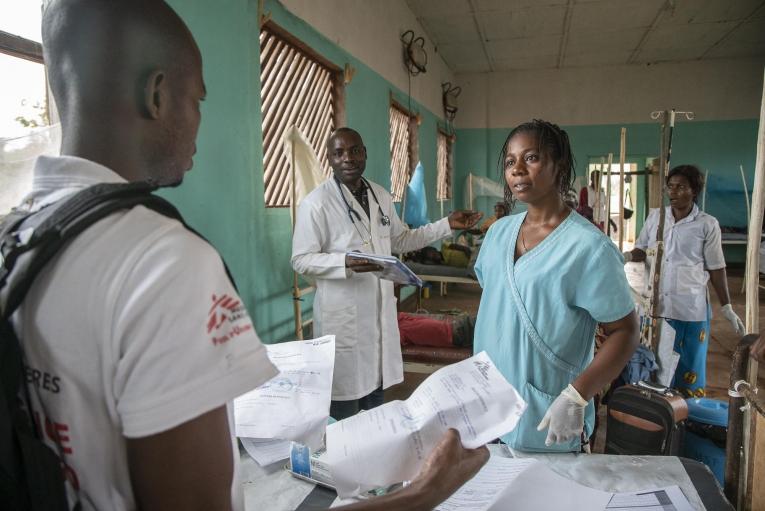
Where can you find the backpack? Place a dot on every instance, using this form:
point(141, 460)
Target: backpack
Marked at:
point(31, 475)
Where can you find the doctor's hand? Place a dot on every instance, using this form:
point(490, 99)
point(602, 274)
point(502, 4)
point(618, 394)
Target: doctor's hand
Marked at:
point(449, 466)
point(462, 219)
point(565, 417)
point(361, 265)
point(733, 319)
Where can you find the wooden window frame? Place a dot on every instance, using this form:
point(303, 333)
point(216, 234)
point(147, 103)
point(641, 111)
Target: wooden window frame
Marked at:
point(20, 47)
point(275, 173)
point(444, 191)
point(398, 182)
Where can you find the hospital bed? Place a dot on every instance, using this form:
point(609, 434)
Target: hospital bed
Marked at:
point(441, 274)
point(734, 238)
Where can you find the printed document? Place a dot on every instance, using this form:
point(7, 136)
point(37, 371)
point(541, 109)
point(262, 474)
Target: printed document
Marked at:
point(266, 451)
point(392, 269)
point(670, 498)
point(525, 483)
point(388, 444)
point(294, 405)
point(479, 493)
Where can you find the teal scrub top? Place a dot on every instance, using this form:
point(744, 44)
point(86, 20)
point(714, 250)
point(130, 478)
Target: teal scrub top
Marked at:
point(538, 314)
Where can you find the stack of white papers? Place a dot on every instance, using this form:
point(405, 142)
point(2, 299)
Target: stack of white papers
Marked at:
point(388, 444)
point(392, 269)
point(525, 483)
point(292, 406)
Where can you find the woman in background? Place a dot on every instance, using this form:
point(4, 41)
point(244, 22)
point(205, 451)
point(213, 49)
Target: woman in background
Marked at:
point(693, 256)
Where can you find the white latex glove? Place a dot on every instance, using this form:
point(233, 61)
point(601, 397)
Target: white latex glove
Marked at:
point(732, 317)
point(627, 256)
point(565, 417)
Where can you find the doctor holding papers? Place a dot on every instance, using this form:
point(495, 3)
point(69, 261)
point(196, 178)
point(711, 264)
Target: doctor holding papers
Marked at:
point(390, 268)
point(294, 405)
point(344, 214)
point(388, 444)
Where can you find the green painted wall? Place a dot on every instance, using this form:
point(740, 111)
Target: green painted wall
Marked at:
point(719, 146)
point(223, 195)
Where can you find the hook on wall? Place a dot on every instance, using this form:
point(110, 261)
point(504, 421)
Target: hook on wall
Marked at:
point(450, 94)
point(415, 56)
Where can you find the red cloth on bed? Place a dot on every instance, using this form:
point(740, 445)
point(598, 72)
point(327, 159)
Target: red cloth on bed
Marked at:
point(424, 331)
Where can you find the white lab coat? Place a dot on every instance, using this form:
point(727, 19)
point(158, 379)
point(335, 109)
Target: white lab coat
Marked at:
point(692, 247)
point(358, 308)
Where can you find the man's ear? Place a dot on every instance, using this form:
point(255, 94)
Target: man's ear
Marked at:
point(155, 94)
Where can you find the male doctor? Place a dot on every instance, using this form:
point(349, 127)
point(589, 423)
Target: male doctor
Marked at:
point(348, 213)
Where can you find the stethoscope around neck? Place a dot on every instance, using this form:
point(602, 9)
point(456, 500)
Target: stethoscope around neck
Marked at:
point(384, 219)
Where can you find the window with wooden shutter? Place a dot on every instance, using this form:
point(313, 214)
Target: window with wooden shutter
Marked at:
point(444, 166)
point(297, 88)
point(399, 152)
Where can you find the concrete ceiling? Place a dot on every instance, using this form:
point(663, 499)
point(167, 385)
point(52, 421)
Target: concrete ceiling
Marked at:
point(503, 35)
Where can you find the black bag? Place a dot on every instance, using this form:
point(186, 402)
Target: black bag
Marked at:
point(31, 476)
point(644, 419)
point(627, 209)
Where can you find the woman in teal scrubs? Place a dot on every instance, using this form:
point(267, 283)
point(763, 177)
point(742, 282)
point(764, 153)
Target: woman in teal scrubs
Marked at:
point(549, 276)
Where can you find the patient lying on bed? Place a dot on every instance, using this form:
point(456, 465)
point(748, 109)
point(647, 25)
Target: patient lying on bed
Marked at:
point(451, 254)
point(436, 330)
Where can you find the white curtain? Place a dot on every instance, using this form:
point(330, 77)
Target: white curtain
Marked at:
point(308, 173)
point(478, 186)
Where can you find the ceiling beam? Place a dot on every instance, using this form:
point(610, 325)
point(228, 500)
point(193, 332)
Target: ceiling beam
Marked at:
point(481, 35)
point(659, 15)
point(733, 29)
point(566, 30)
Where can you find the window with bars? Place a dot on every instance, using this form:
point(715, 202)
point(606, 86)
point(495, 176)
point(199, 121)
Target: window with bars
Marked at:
point(444, 166)
point(400, 151)
point(25, 104)
point(297, 88)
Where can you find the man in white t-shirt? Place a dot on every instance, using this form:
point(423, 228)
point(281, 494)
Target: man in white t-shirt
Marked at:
point(134, 338)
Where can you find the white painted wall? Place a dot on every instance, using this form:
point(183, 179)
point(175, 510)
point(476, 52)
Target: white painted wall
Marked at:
point(713, 89)
point(370, 30)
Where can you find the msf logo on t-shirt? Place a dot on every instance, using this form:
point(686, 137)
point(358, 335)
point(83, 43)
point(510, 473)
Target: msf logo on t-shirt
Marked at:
point(226, 319)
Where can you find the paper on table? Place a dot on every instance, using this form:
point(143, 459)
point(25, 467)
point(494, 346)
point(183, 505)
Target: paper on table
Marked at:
point(266, 451)
point(479, 493)
point(294, 405)
point(656, 499)
point(541, 489)
point(392, 269)
point(388, 444)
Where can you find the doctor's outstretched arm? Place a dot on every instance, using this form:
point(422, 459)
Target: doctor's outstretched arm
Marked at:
point(404, 239)
point(307, 240)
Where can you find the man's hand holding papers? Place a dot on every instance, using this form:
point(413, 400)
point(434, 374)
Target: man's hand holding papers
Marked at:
point(390, 443)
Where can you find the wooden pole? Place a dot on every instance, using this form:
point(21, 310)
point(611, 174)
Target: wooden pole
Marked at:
point(748, 219)
point(470, 191)
point(607, 220)
point(754, 441)
point(622, 157)
point(704, 191)
point(596, 200)
point(666, 152)
point(298, 310)
point(746, 195)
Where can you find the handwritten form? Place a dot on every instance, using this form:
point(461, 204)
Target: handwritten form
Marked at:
point(388, 444)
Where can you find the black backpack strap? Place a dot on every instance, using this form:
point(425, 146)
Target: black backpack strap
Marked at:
point(33, 240)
